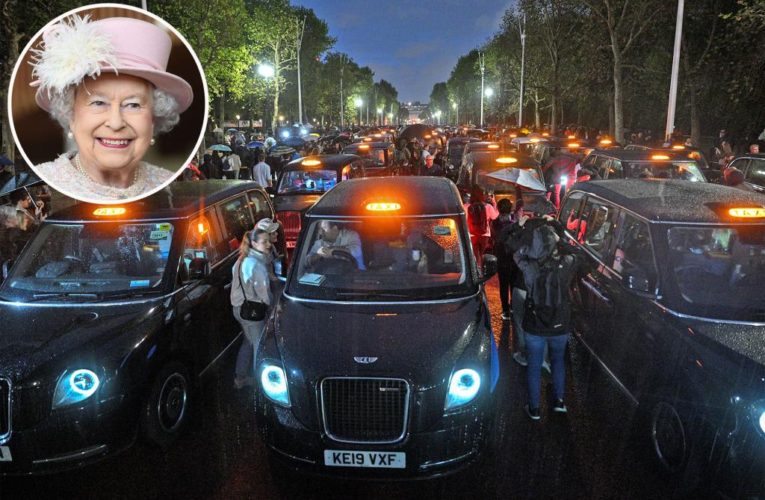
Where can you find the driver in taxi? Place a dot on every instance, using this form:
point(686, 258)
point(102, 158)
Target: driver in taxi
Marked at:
point(332, 237)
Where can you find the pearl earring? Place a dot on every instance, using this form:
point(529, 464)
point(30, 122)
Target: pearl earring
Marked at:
point(70, 135)
point(152, 142)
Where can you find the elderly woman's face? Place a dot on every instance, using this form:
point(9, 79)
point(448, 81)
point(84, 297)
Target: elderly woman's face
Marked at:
point(113, 121)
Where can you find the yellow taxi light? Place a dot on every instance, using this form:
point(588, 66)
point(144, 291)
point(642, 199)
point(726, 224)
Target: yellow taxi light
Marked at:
point(571, 137)
point(363, 146)
point(513, 136)
point(534, 140)
point(545, 134)
point(660, 157)
point(678, 146)
point(747, 213)
point(573, 145)
point(202, 228)
point(428, 136)
point(378, 135)
point(367, 139)
point(506, 160)
point(606, 142)
point(493, 146)
point(383, 207)
point(310, 163)
point(110, 211)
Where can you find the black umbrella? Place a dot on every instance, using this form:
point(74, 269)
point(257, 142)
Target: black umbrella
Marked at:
point(416, 131)
point(19, 181)
point(280, 149)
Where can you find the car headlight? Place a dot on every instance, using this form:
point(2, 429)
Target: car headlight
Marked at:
point(285, 134)
point(463, 388)
point(274, 384)
point(75, 386)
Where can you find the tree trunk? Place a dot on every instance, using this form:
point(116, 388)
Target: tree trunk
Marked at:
point(277, 74)
point(537, 118)
point(695, 118)
point(222, 109)
point(611, 122)
point(618, 109)
point(13, 37)
point(554, 113)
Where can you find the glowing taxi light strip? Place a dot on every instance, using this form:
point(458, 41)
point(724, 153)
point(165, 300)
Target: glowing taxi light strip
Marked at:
point(110, 211)
point(573, 145)
point(571, 137)
point(493, 146)
point(747, 213)
point(506, 160)
point(311, 163)
point(678, 146)
point(534, 140)
point(606, 141)
point(363, 146)
point(660, 157)
point(383, 207)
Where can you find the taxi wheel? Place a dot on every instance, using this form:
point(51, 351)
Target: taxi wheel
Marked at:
point(166, 409)
point(677, 442)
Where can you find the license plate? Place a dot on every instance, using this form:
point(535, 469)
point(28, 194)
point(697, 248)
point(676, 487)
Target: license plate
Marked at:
point(376, 459)
point(5, 454)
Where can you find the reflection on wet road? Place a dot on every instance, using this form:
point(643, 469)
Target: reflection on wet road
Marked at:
point(589, 453)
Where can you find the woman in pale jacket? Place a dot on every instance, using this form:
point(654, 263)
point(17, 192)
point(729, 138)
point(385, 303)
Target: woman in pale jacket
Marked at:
point(251, 281)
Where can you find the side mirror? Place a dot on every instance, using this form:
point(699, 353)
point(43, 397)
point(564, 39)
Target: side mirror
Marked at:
point(489, 267)
point(199, 268)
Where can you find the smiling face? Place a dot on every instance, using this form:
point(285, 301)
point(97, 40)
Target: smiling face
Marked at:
point(113, 121)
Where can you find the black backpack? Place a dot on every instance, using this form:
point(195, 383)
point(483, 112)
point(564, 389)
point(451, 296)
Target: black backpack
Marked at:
point(546, 308)
point(477, 222)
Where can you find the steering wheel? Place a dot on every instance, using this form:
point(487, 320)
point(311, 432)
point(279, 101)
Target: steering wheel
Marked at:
point(345, 255)
point(75, 260)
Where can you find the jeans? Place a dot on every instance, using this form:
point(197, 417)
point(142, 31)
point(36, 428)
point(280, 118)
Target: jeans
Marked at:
point(504, 288)
point(253, 331)
point(535, 345)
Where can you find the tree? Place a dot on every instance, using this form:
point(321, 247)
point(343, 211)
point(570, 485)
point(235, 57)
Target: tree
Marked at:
point(439, 98)
point(465, 85)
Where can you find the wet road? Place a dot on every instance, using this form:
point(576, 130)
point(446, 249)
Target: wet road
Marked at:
point(588, 453)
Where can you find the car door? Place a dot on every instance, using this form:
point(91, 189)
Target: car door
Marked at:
point(636, 327)
point(755, 174)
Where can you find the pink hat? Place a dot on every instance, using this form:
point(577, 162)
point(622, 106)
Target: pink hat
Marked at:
point(77, 48)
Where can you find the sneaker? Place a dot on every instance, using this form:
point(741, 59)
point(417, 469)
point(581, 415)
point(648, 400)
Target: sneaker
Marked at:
point(560, 407)
point(520, 359)
point(506, 316)
point(546, 367)
point(533, 413)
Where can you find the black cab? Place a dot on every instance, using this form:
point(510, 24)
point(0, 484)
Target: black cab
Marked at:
point(378, 157)
point(110, 315)
point(672, 307)
point(501, 173)
point(753, 166)
point(454, 150)
point(379, 359)
point(634, 164)
point(303, 181)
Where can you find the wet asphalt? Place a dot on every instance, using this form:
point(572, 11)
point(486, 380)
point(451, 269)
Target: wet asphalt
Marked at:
point(593, 451)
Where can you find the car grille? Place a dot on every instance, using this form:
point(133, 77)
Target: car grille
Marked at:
point(291, 223)
point(5, 409)
point(365, 410)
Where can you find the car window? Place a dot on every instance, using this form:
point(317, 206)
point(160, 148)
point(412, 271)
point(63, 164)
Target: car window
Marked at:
point(307, 181)
point(236, 219)
point(259, 205)
point(756, 172)
point(200, 241)
point(634, 252)
point(569, 214)
point(600, 218)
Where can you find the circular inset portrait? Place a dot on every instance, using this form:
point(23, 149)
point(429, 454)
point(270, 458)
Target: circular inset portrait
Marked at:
point(108, 103)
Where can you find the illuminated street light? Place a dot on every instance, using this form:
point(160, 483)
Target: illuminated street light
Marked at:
point(456, 113)
point(437, 114)
point(358, 102)
point(266, 70)
point(489, 92)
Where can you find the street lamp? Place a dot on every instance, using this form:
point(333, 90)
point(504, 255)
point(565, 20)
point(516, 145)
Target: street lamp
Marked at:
point(379, 112)
point(358, 102)
point(266, 70)
point(437, 114)
point(489, 92)
point(390, 118)
point(456, 113)
point(281, 119)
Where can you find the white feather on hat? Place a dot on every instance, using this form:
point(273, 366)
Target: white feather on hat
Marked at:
point(71, 50)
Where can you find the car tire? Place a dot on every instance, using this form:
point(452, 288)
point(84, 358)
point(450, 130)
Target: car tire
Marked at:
point(166, 409)
point(678, 440)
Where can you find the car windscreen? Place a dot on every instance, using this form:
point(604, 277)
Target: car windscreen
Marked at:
point(380, 258)
point(307, 181)
point(683, 170)
point(91, 260)
point(719, 270)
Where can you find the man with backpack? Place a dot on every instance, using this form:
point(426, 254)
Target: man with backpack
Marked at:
point(548, 265)
point(479, 216)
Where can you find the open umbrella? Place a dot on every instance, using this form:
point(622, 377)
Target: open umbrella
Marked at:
point(295, 142)
point(416, 131)
point(524, 178)
point(19, 181)
point(232, 130)
point(221, 147)
point(280, 149)
point(255, 144)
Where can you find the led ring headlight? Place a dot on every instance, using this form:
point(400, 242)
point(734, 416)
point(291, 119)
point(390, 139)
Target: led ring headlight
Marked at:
point(274, 383)
point(463, 388)
point(75, 386)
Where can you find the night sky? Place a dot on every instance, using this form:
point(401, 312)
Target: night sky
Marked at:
point(412, 44)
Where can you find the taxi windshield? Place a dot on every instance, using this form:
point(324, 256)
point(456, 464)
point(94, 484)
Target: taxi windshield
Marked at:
point(307, 181)
point(719, 270)
point(684, 170)
point(91, 260)
point(376, 258)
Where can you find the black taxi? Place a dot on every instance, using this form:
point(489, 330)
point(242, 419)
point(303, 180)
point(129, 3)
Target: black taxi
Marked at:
point(672, 307)
point(303, 181)
point(111, 315)
point(377, 155)
point(618, 163)
point(379, 359)
point(501, 173)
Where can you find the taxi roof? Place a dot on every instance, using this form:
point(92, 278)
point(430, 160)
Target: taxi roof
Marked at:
point(329, 162)
point(178, 199)
point(639, 154)
point(415, 195)
point(672, 200)
point(372, 145)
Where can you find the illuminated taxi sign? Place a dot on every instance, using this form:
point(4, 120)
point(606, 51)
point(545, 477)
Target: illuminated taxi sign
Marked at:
point(493, 146)
point(513, 136)
point(571, 137)
point(506, 160)
point(545, 134)
point(310, 163)
point(606, 142)
point(367, 139)
point(534, 140)
point(110, 211)
point(428, 136)
point(382, 206)
point(364, 146)
point(378, 135)
point(573, 145)
point(660, 157)
point(678, 147)
point(203, 227)
point(747, 213)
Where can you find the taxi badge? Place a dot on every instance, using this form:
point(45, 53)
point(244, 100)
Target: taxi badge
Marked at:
point(364, 360)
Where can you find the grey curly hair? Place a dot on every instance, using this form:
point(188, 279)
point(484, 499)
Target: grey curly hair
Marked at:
point(164, 109)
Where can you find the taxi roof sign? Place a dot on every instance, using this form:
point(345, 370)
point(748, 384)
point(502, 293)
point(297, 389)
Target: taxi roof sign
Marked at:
point(110, 211)
point(310, 163)
point(659, 157)
point(506, 160)
point(747, 212)
point(382, 206)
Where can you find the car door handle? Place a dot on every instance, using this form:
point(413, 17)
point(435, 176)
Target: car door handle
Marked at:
point(594, 289)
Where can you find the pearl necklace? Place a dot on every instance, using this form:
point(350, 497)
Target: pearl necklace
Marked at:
point(82, 171)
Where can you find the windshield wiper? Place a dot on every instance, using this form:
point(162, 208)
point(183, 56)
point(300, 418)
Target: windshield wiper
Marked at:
point(57, 295)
